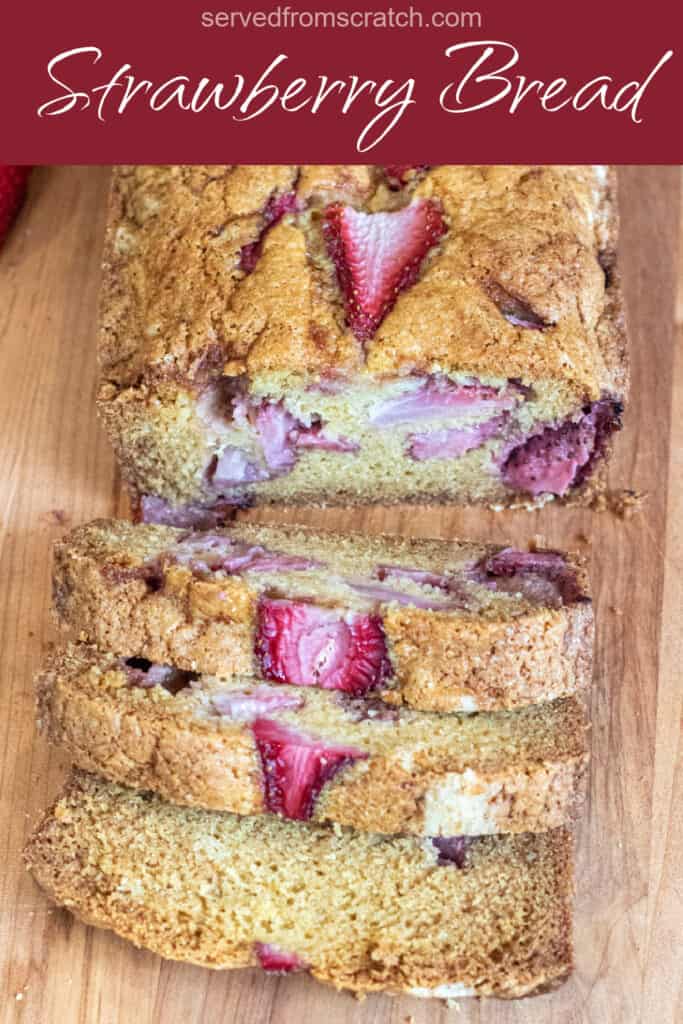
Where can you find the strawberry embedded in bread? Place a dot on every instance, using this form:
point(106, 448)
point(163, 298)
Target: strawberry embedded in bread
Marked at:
point(275, 209)
point(377, 255)
point(562, 456)
point(274, 960)
point(13, 181)
point(398, 175)
point(452, 849)
point(297, 766)
point(306, 645)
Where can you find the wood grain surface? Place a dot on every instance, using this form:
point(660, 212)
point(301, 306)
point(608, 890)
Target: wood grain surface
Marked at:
point(57, 470)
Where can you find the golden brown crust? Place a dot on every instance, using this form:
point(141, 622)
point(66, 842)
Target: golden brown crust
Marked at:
point(365, 913)
point(442, 661)
point(173, 289)
point(423, 774)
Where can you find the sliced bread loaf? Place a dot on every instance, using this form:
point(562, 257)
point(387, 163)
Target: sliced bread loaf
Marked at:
point(448, 918)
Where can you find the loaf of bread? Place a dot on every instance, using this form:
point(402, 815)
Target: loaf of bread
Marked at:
point(447, 917)
point(356, 334)
point(436, 625)
point(245, 746)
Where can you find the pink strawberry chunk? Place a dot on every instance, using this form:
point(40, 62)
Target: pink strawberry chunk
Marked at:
point(377, 255)
point(281, 437)
point(193, 515)
point(540, 576)
point(145, 674)
point(398, 174)
point(561, 457)
point(296, 766)
point(246, 705)
point(441, 398)
point(314, 437)
point(277, 961)
point(214, 552)
point(452, 850)
point(303, 644)
point(278, 432)
point(233, 467)
point(453, 442)
point(277, 206)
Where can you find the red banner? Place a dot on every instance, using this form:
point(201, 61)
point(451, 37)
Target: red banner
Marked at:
point(469, 82)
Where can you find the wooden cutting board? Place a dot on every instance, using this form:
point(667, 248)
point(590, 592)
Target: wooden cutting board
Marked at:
point(57, 470)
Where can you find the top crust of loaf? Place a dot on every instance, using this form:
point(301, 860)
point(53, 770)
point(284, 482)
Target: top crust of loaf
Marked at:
point(176, 306)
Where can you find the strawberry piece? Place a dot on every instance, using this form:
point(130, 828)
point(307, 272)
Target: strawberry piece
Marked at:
point(306, 645)
point(145, 674)
point(296, 766)
point(540, 576)
point(454, 442)
point(516, 310)
point(278, 432)
point(314, 437)
point(275, 209)
point(562, 456)
point(452, 850)
point(12, 194)
point(246, 705)
point(398, 174)
point(438, 397)
point(277, 961)
point(377, 255)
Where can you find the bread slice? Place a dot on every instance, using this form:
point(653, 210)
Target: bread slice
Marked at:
point(348, 334)
point(244, 746)
point(489, 916)
point(437, 625)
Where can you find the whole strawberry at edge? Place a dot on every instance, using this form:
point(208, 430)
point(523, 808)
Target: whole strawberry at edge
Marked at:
point(12, 193)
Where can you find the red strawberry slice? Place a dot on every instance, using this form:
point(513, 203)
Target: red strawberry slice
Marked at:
point(296, 766)
point(275, 209)
point(278, 961)
point(398, 174)
point(12, 193)
point(377, 255)
point(306, 645)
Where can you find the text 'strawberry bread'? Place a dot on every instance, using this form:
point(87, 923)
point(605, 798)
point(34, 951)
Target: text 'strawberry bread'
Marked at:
point(346, 335)
point(245, 746)
point(437, 625)
point(450, 917)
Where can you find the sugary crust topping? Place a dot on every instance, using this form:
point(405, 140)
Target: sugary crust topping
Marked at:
point(176, 304)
